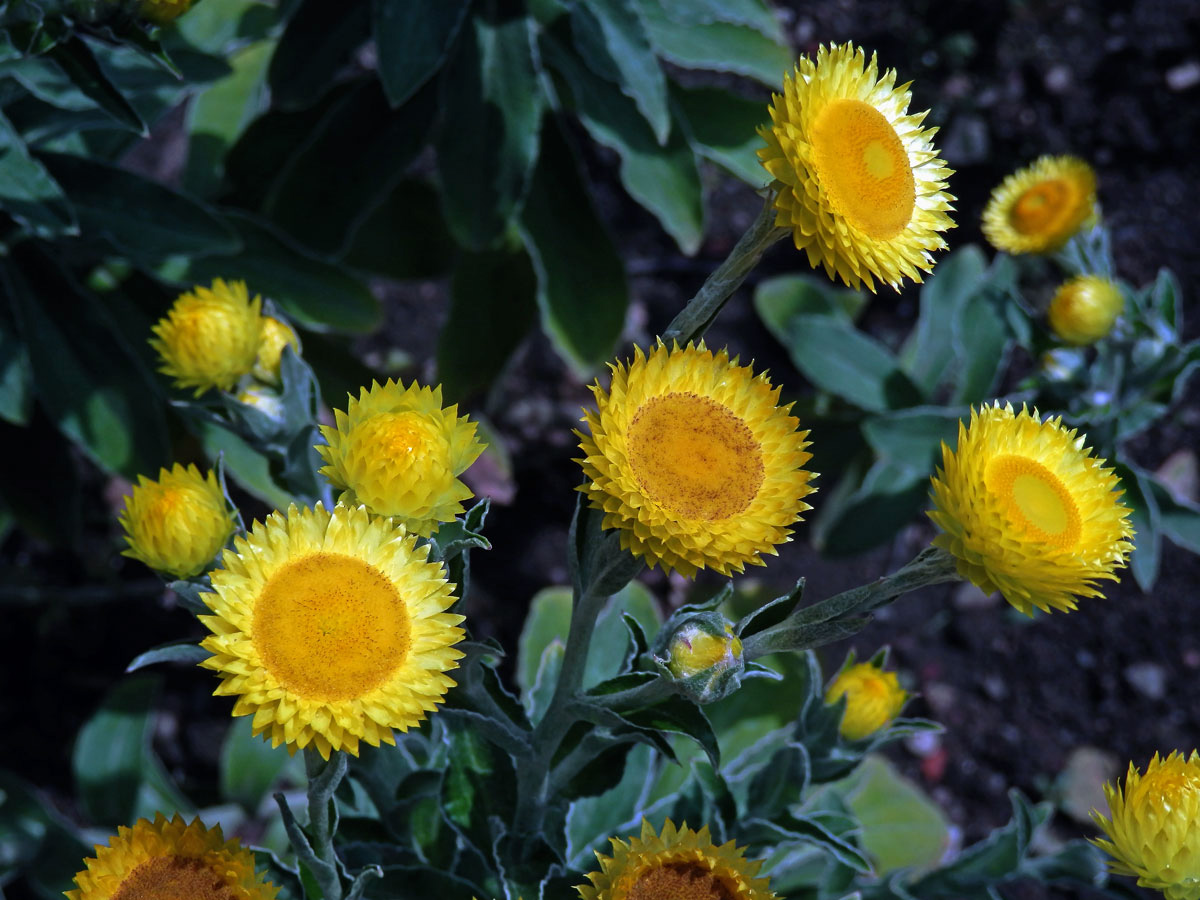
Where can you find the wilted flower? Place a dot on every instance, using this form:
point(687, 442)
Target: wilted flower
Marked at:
point(177, 523)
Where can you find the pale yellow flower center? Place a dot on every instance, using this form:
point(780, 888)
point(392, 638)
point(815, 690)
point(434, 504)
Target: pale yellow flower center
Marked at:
point(694, 457)
point(1036, 498)
point(402, 435)
point(173, 878)
point(330, 627)
point(863, 168)
point(1041, 208)
point(679, 881)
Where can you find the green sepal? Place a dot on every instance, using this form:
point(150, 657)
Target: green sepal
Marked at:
point(185, 652)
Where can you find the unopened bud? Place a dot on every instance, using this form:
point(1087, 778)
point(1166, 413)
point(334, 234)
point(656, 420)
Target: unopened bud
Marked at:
point(704, 657)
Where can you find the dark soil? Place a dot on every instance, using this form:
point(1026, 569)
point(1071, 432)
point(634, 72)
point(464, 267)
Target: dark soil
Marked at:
point(1007, 82)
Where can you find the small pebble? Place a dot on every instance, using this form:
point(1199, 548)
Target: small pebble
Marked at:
point(1148, 679)
point(1058, 79)
point(1191, 659)
point(995, 687)
point(923, 743)
point(1183, 76)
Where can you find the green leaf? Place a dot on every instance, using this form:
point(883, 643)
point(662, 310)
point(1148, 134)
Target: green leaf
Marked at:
point(16, 376)
point(722, 127)
point(929, 351)
point(320, 39)
point(661, 177)
point(548, 619)
point(840, 359)
point(314, 294)
point(219, 114)
point(75, 58)
point(1179, 519)
point(413, 39)
point(492, 87)
point(36, 843)
point(347, 165)
point(901, 827)
point(754, 13)
point(87, 380)
point(606, 651)
point(780, 298)
point(890, 495)
point(185, 652)
point(611, 39)
point(913, 436)
point(582, 294)
point(27, 192)
point(249, 468)
point(250, 768)
point(112, 760)
point(220, 26)
point(138, 217)
point(982, 341)
point(493, 306)
point(678, 715)
point(49, 509)
point(1166, 299)
point(780, 783)
point(479, 788)
point(405, 236)
point(721, 46)
point(1144, 517)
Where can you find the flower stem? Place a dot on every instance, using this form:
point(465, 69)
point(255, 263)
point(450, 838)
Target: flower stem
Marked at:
point(323, 779)
point(693, 320)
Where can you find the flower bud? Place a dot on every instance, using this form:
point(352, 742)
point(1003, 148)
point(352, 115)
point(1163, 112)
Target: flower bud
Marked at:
point(704, 657)
point(178, 523)
point(1061, 363)
point(873, 698)
point(1084, 309)
point(1153, 832)
point(275, 336)
point(262, 398)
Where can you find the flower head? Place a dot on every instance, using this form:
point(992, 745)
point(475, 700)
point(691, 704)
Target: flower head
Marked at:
point(1084, 309)
point(163, 11)
point(691, 457)
point(703, 656)
point(209, 338)
point(873, 698)
point(1037, 209)
point(275, 336)
point(679, 864)
point(396, 451)
point(330, 627)
point(1027, 510)
point(857, 178)
point(171, 858)
point(1154, 832)
point(177, 523)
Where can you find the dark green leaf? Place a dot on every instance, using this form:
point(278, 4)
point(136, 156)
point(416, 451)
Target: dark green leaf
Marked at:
point(480, 786)
point(929, 351)
point(548, 620)
point(723, 129)
point(49, 509)
point(36, 843)
point(250, 767)
point(405, 236)
point(981, 344)
point(1179, 519)
point(16, 377)
point(1144, 517)
point(422, 881)
point(611, 39)
point(1166, 299)
point(840, 359)
point(75, 58)
point(138, 217)
point(913, 436)
point(347, 166)
point(807, 829)
point(582, 293)
point(493, 306)
point(186, 652)
point(755, 13)
point(771, 613)
point(780, 298)
point(315, 294)
point(27, 192)
point(678, 715)
point(220, 26)
point(781, 783)
point(491, 87)
point(319, 41)
point(87, 380)
point(722, 46)
point(662, 177)
point(412, 39)
point(889, 497)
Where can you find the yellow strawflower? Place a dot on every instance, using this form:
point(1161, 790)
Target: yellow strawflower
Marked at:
point(873, 698)
point(398, 452)
point(178, 523)
point(695, 649)
point(1027, 510)
point(330, 628)
point(679, 864)
point(209, 338)
point(275, 336)
point(170, 859)
point(690, 456)
point(1154, 832)
point(858, 180)
point(163, 11)
point(1037, 209)
point(1084, 309)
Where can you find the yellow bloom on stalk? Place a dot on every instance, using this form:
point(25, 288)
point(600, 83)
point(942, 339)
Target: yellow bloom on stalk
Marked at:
point(858, 180)
point(693, 460)
point(171, 859)
point(1085, 308)
point(679, 864)
point(1027, 510)
point(163, 11)
point(1154, 832)
point(209, 338)
point(1037, 209)
point(873, 698)
point(275, 336)
point(396, 451)
point(330, 628)
point(177, 523)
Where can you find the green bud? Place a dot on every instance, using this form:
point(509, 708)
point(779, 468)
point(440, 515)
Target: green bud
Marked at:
point(703, 657)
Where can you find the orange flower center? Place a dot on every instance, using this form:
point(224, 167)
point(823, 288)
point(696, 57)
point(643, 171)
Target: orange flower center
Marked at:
point(1036, 499)
point(679, 881)
point(694, 457)
point(173, 878)
point(330, 627)
point(863, 168)
point(1040, 208)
